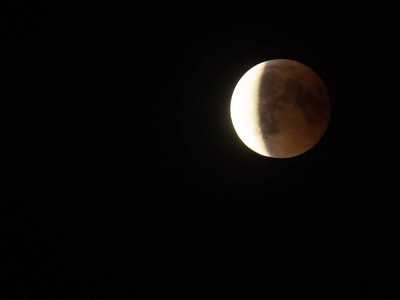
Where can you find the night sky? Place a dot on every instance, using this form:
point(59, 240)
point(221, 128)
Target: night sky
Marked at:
point(123, 177)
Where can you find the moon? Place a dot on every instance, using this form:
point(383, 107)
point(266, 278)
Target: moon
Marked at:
point(280, 108)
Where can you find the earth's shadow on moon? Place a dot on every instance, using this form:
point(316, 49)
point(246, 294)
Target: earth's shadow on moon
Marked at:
point(279, 87)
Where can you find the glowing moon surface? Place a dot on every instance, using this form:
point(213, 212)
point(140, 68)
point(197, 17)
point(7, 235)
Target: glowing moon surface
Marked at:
point(280, 108)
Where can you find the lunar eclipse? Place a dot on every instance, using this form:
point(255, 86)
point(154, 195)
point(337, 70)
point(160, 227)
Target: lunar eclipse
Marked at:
point(280, 108)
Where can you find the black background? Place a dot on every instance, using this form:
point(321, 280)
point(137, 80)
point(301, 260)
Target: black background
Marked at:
point(123, 177)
